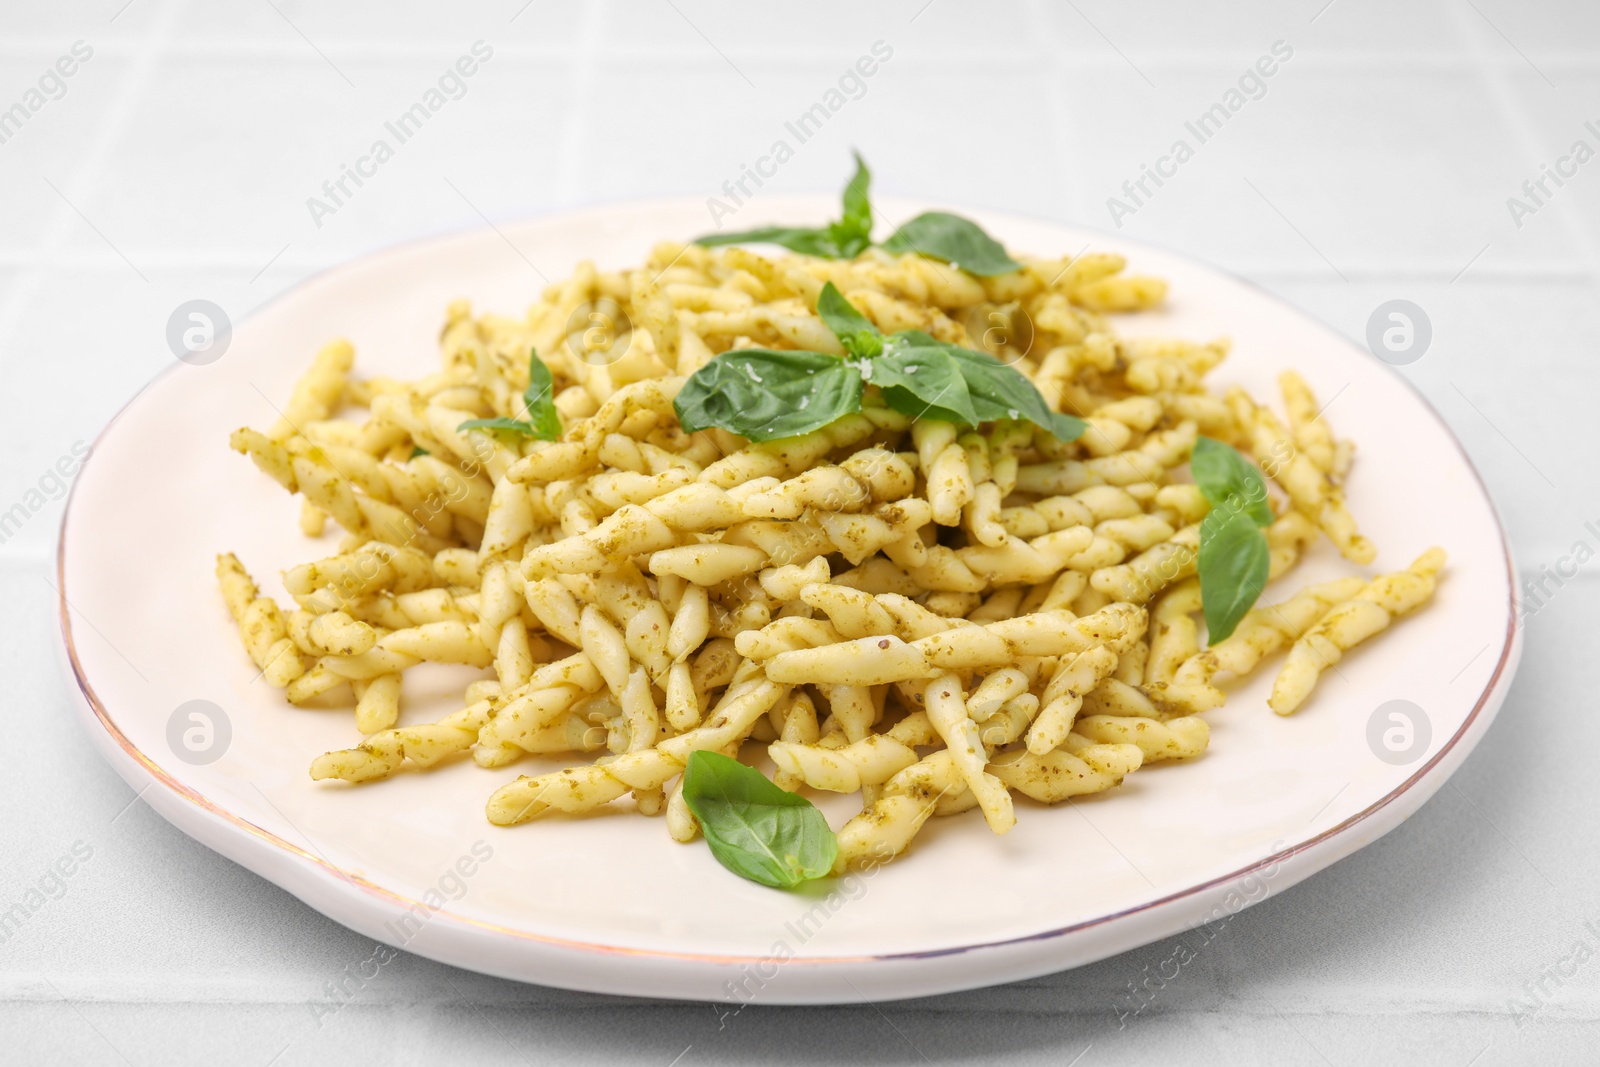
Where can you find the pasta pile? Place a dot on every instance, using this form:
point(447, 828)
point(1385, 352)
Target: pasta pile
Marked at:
point(936, 618)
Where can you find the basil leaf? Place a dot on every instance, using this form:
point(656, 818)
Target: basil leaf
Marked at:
point(958, 241)
point(1002, 392)
point(764, 394)
point(544, 422)
point(508, 427)
point(852, 234)
point(854, 330)
point(1232, 562)
point(924, 383)
point(811, 242)
point(539, 398)
point(846, 238)
point(756, 830)
point(935, 234)
point(418, 450)
point(1229, 480)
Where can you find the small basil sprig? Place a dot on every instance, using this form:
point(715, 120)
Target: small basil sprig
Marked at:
point(764, 394)
point(1233, 558)
point(957, 241)
point(543, 422)
point(845, 239)
point(934, 234)
point(756, 830)
point(916, 376)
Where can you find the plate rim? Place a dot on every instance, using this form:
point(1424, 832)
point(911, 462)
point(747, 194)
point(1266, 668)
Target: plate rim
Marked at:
point(257, 837)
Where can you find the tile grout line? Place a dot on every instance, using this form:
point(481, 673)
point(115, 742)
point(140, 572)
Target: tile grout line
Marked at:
point(27, 988)
point(1168, 58)
point(100, 145)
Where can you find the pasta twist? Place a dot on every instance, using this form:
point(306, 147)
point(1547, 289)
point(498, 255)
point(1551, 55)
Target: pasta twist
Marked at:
point(1181, 738)
point(260, 622)
point(1348, 624)
point(580, 789)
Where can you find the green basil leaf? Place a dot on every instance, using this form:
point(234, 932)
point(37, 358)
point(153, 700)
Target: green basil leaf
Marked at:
point(764, 394)
point(1233, 561)
point(854, 330)
point(1002, 392)
point(852, 234)
point(955, 240)
point(845, 238)
point(508, 427)
point(418, 450)
point(756, 830)
point(1066, 427)
point(540, 400)
point(543, 422)
point(811, 242)
point(924, 383)
point(1229, 480)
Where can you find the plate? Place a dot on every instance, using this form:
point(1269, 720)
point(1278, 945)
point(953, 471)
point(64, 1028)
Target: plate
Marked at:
point(609, 902)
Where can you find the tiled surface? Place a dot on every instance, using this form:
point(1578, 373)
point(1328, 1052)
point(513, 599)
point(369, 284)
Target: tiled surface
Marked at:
point(1376, 164)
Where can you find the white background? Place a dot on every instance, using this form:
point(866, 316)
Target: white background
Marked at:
point(1377, 165)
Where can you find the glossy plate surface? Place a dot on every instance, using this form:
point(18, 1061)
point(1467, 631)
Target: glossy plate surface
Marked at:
point(610, 903)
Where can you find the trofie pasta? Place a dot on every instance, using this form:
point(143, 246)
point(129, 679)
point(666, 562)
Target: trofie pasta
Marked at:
point(936, 607)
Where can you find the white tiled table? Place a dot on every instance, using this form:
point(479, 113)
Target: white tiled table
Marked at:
point(1376, 165)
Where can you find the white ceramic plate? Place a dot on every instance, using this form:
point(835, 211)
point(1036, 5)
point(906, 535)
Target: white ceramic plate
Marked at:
point(610, 903)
